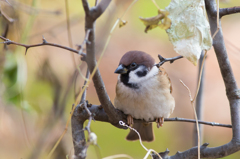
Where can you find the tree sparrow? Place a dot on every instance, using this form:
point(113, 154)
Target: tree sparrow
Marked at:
point(143, 91)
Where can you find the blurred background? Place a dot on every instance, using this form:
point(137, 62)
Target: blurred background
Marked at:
point(37, 89)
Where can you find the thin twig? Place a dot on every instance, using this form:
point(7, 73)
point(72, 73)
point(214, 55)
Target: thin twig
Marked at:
point(5, 34)
point(68, 25)
point(85, 41)
point(84, 95)
point(228, 11)
point(5, 16)
point(163, 60)
point(154, 2)
point(31, 10)
point(200, 76)
point(9, 42)
point(69, 31)
point(140, 140)
point(189, 92)
point(199, 122)
point(89, 123)
point(199, 100)
point(195, 115)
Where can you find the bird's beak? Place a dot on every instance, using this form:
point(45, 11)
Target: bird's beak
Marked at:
point(121, 69)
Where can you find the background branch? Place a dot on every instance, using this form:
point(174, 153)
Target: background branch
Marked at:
point(9, 42)
point(199, 102)
point(5, 16)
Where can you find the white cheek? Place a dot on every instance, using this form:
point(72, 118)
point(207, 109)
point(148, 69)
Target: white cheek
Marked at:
point(134, 78)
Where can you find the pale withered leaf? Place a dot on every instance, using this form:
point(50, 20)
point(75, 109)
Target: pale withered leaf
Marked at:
point(122, 23)
point(166, 21)
point(161, 20)
point(189, 31)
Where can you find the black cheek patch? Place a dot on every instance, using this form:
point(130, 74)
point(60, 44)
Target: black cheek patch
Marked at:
point(141, 73)
point(124, 79)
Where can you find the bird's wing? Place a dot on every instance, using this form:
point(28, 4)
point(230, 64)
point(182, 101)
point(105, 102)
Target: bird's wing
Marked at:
point(163, 74)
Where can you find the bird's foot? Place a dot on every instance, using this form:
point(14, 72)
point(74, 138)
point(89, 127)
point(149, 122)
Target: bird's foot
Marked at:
point(130, 120)
point(159, 122)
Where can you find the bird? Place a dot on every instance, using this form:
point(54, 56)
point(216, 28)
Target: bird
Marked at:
point(143, 91)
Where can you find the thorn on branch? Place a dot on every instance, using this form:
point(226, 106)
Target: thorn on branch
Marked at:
point(85, 41)
point(204, 145)
point(162, 154)
point(163, 60)
point(44, 40)
point(79, 47)
point(26, 50)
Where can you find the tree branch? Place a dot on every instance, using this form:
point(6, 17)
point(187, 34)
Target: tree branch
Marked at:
point(103, 97)
point(79, 141)
point(228, 11)
point(100, 115)
point(86, 6)
point(85, 41)
point(100, 8)
point(95, 12)
point(9, 42)
point(163, 60)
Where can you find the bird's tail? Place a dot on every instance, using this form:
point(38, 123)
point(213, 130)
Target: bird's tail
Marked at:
point(145, 130)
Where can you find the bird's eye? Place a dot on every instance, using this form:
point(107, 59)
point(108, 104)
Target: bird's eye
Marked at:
point(133, 65)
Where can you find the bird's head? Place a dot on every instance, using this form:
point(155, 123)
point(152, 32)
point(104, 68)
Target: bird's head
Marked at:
point(134, 67)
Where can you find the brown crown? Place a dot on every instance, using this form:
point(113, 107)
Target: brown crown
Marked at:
point(138, 57)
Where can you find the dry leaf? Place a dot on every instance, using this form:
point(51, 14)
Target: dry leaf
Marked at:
point(190, 30)
point(153, 22)
point(122, 23)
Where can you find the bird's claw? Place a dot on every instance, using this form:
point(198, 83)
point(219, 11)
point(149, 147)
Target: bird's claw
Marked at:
point(130, 120)
point(160, 122)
